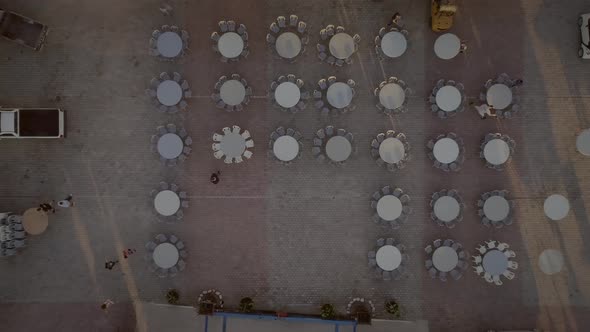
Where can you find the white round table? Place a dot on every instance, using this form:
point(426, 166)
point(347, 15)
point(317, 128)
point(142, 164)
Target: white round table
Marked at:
point(232, 92)
point(165, 255)
point(496, 151)
point(338, 148)
point(35, 222)
point(394, 44)
point(287, 94)
point(583, 142)
point(286, 148)
point(551, 261)
point(169, 93)
point(448, 98)
point(447, 46)
point(388, 258)
point(288, 45)
point(167, 202)
point(446, 150)
point(496, 208)
point(230, 45)
point(232, 145)
point(389, 207)
point(495, 262)
point(556, 207)
point(445, 259)
point(339, 95)
point(392, 96)
point(446, 208)
point(169, 44)
point(392, 150)
point(170, 146)
point(499, 96)
point(341, 45)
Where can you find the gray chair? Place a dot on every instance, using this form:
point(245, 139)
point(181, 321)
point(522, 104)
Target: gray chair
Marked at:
point(173, 239)
point(181, 265)
point(180, 245)
point(161, 238)
point(380, 242)
point(185, 204)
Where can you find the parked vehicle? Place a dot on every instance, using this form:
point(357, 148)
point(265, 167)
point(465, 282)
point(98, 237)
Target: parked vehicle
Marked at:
point(583, 21)
point(22, 30)
point(32, 123)
point(441, 14)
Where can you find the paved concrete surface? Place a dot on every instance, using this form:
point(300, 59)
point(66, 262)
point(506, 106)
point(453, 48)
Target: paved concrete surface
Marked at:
point(289, 236)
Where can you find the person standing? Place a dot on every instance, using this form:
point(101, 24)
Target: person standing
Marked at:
point(106, 304)
point(166, 9)
point(66, 203)
point(215, 177)
point(517, 83)
point(396, 20)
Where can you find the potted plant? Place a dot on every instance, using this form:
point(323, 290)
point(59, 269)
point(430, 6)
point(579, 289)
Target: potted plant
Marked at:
point(209, 301)
point(394, 309)
point(246, 305)
point(328, 311)
point(172, 296)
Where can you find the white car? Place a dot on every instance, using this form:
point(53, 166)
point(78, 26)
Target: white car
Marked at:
point(583, 21)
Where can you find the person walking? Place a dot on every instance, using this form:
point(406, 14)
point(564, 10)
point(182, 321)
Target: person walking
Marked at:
point(517, 83)
point(106, 304)
point(396, 20)
point(484, 110)
point(46, 207)
point(66, 203)
point(109, 265)
point(166, 9)
point(215, 177)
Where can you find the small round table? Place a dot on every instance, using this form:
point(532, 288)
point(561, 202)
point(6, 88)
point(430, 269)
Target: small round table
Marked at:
point(551, 261)
point(496, 151)
point(583, 142)
point(556, 207)
point(447, 46)
point(392, 96)
point(230, 45)
point(170, 146)
point(169, 44)
point(167, 202)
point(392, 150)
point(169, 93)
point(286, 148)
point(496, 208)
point(388, 258)
point(495, 262)
point(165, 255)
point(445, 259)
point(35, 222)
point(232, 92)
point(341, 45)
point(338, 148)
point(446, 208)
point(287, 94)
point(389, 207)
point(232, 145)
point(288, 45)
point(446, 150)
point(339, 95)
point(448, 98)
point(394, 44)
point(499, 96)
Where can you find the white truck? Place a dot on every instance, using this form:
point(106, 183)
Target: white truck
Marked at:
point(32, 123)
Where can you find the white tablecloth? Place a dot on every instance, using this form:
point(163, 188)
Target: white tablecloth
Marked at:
point(169, 44)
point(551, 261)
point(341, 45)
point(286, 148)
point(496, 151)
point(165, 255)
point(388, 258)
point(446, 208)
point(232, 92)
point(230, 45)
point(287, 94)
point(495, 262)
point(394, 44)
point(167, 202)
point(170, 146)
point(233, 145)
point(392, 150)
point(496, 208)
point(446, 150)
point(338, 148)
point(339, 95)
point(389, 207)
point(169, 93)
point(499, 96)
point(556, 207)
point(445, 259)
point(583, 142)
point(448, 98)
point(447, 46)
point(288, 45)
point(392, 96)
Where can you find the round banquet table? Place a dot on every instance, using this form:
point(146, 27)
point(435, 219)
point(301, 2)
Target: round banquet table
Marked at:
point(287, 94)
point(230, 45)
point(388, 258)
point(286, 148)
point(446, 150)
point(341, 45)
point(392, 96)
point(169, 44)
point(167, 202)
point(394, 44)
point(165, 255)
point(288, 45)
point(445, 259)
point(389, 207)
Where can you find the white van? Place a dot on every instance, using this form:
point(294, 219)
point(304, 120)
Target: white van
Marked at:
point(583, 23)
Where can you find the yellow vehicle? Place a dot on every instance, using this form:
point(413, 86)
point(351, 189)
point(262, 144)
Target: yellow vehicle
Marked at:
point(441, 14)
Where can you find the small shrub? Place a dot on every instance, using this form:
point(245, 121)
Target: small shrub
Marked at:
point(394, 309)
point(246, 305)
point(328, 311)
point(172, 296)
